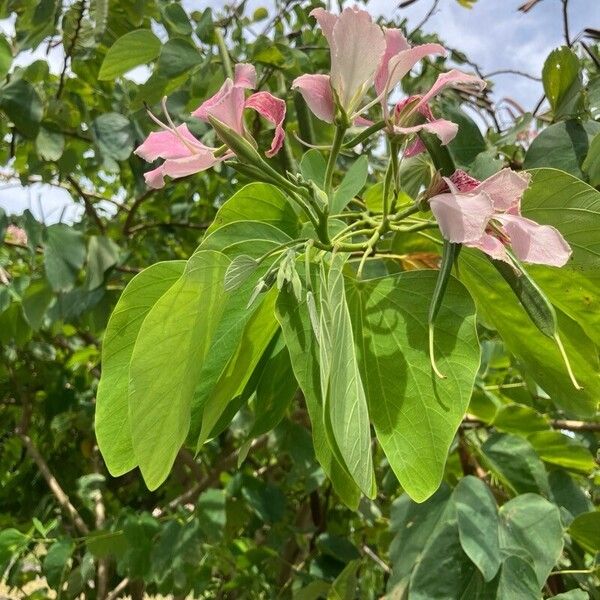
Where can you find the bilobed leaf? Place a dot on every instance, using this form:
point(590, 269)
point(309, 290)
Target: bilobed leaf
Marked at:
point(345, 401)
point(23, 106)
point(257, 334)
point(135, 48)
point(469, 142)
point(113, 136)
point(36, 299)
point(165, 365)
point(177, 57)
point(241, 268)
point(514, 461)
point(112, 410)
point(64, 255)
point(313, 167)
point(102, 254)
point(560, 75)
point(477, 516)
point(304, 354)
point(559, 449)
point(258, 202)
point(517, 580)
point(530, 527)
point(562, 146)
point(415, 413)
point(352, 184)
point(585, 530)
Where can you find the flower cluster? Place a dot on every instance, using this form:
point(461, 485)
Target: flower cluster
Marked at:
point(365, 56)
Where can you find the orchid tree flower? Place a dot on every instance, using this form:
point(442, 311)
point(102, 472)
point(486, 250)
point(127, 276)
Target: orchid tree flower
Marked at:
point(363, 55)
point(487, 215)
point(413, 114)
point(184, 154)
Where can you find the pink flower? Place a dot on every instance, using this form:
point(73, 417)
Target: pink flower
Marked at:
point(413, 114)
point(184, 154)
point(487, 215)
point(362, 55)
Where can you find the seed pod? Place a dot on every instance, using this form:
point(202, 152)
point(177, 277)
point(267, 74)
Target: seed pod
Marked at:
point(536, 305)
point(449, 256)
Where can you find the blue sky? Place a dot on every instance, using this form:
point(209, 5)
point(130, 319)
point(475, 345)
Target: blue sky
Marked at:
point(494, 34)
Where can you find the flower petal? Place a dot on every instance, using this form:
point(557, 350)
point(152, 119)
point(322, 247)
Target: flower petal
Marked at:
point(462, 217)
point(272, 109)
point(491, 245)
point(155, 178)
point(395, 42)
point(167, 144)
point(416, 147)
point(464, 182)
point(316, 91)
point(535, 243)
point(505, 188)
point(405, 60)
point(445, 130)
point(452, 78)
point(245, 76)
point(182, 167)
point(357, 47)
point(326, 21)
point(227, 105)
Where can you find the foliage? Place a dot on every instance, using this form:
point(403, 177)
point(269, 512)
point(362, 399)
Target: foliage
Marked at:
point(277, 397)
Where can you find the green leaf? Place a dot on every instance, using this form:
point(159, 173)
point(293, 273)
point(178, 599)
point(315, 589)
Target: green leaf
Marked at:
point(514, 461)
point(138, 47)
point(49, 144)
point(176, 19)
point(345, 584)
point(585, 530)
point(299, 338)
point(573, 207)
point(212, 516)
point(562, 146)
point(177, 57)
point(591, 164)
point(102, 255)
point(266, 500)
point(5, 57)
point(413, 525)
point(517, 580)
point(519, 419)
point(499, 308)
point(12, 543)
point(352, 184)
point(469, 142)
point(560, 76)
point(113, 136)
point(64, 256)
point(345, 401)
point(241, 268)
point(560, 449)
point(567, 493)
point(530, 527)
point(56, 562)
point(477, 516)
point(172, 343)
point(258, 332)
point(258, 202)
point(23, 106)
point(313, 167)
point(571, 595)
point(36, 299)
point(415, 414)
point(112, 411)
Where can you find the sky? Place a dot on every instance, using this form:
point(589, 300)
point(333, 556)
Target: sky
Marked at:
point(494, 34)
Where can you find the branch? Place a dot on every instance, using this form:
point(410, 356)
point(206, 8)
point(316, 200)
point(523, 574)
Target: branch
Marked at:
point(512, 72)
point(89, 206)
point(565, 14)
point(114, 594)
point(102, 569)
point(70, 49)
point(134, 208)
point(184, 224)
point(567, 424)
point(426, 18)
point(55, 488)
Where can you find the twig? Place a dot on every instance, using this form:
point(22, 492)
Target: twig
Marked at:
point(511, 72)
point(426, 18)
point(183, 224)
point(565, 14)
point(384, 567)
point(89, 206)
point(566, 424)
point(102, 569)
point(60, 495)
point(134, 208)
point(70, 49)
point(114, 594)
